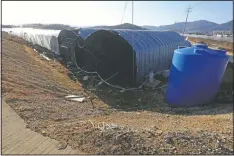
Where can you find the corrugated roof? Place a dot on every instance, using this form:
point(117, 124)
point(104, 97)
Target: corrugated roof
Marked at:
point(85, 32)
point(154, 49)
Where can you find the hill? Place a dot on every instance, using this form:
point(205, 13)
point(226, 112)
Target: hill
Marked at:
point(48, 26)
point(201, 26)
point(62, 26)
point(122, 26)
point(9, 26)
point(224, 26)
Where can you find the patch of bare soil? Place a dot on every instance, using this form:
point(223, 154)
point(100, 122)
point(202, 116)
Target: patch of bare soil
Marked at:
point(119, 123)
point(36, 89)
point(228, 46)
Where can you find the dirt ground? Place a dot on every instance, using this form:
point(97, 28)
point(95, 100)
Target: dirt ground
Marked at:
point(119, 123)
point(215, 44)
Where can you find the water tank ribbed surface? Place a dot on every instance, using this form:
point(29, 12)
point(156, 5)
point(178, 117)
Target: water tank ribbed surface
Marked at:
point(195, 75)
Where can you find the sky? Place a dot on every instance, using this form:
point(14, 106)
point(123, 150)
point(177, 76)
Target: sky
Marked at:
point(91, 13)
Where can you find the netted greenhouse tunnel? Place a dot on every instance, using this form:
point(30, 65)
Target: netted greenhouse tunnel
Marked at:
point(132, 54)
point(112, 54)
point(67, 42)
point(71, 43)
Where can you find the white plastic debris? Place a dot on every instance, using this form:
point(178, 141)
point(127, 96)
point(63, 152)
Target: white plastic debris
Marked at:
point(166, 73)
point(151, 77)
point(154, 84)
point(81, 99)
point(99, 83)
point(44, 57)
point(73, 96)
point(86, 78)
point(123, 90)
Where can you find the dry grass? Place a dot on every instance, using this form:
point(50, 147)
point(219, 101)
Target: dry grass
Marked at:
point(57, 71)
point(170, 123)
point(214, 44)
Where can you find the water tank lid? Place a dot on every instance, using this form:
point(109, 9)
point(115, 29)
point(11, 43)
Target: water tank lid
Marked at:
point(205, 46)
point(201, 49)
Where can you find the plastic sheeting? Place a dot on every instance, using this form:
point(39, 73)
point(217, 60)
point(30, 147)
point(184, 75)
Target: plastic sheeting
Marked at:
point(45, 38)
point(153, 50)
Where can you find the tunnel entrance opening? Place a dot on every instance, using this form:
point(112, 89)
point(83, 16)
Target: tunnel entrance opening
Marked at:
point(64, 34)
point(71, 50)
point(113, 55)
point(67, 49)
point(79, 55)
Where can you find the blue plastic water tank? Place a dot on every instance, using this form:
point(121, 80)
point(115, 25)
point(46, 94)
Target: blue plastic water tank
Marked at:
point(195, 75)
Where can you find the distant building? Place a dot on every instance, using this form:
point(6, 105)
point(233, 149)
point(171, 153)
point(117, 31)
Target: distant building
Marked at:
point(223, 33)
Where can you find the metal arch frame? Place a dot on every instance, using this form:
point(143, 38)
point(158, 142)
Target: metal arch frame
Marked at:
point(162, 43)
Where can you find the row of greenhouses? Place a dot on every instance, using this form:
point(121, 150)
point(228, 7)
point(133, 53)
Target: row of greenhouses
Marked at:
point(44, 38)
point(132, 54)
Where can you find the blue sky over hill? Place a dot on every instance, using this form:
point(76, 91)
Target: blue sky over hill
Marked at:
point(88, 13)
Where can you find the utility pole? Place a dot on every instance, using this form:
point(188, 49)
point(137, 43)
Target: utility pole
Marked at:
point(132, 12)
point(133, 74)
point(188, 10)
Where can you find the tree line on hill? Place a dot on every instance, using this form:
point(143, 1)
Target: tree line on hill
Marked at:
point(200, 27)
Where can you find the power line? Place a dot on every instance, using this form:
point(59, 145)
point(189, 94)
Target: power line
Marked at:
point(124, 11)
point(188, 10)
